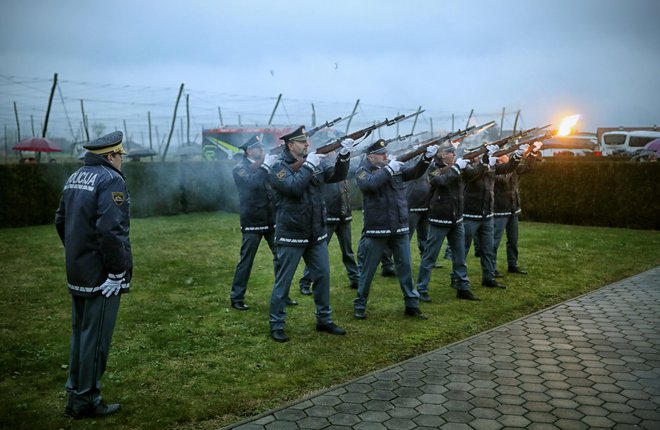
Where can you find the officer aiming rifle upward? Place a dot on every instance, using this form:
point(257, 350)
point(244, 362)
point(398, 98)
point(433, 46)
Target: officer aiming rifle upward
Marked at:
point(356, 135)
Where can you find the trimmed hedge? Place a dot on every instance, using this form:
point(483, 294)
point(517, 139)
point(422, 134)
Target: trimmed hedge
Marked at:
point(30, 193)
point(566, 191)
point(595, 192)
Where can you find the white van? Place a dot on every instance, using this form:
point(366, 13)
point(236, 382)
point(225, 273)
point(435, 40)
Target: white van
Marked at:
point(580, 145)
point(626, 143)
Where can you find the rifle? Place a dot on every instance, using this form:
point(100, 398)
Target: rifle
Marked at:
point(515, 146)
point(481, 150)
point(456, 135)
point(328, 124)
point(359, 134)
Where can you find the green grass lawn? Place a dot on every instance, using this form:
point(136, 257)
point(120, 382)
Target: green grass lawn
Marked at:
point(181, 358)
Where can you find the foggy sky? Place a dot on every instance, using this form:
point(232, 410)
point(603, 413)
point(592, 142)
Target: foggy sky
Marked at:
point(549, 58)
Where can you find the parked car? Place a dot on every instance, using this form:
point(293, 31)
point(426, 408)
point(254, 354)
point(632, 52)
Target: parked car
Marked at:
point(580, 145)
point(626, 143)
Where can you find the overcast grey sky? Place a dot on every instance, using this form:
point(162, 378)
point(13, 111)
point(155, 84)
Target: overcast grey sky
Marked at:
point(598, 58)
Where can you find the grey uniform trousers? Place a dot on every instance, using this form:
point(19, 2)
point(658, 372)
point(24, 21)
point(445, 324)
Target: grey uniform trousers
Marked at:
point(400, 246)
point(249, 249)
point(288, 257)
point(456, 238)
point(93, 321)
point(344, 238)
point(510, 225)
point(483, 229)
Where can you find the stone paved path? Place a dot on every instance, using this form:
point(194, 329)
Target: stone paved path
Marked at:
point(592, 362)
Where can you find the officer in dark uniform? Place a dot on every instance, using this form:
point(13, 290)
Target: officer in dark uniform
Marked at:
point(506, 207)
point(418, 195)
point(337, 198)
point(93, 222)
point(300, 230)
point(257, 209)
point(446, 219)
point(478, 212)
point(386, 222)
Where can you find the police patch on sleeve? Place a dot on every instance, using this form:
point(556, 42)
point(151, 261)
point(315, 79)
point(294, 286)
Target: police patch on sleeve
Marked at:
point(281, 174)
point(362, 174)
point(118, 198)
point(435, 172)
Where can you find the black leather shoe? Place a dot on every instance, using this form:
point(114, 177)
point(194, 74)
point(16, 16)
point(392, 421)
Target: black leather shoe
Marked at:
point(279, 336)
point(102, 409)
point(415, 313)
point(388, 273)
point(360, 314)
point(466, 295)
point(517, 269)
point(492, 283)
point(240, 306)
point(290, 302)
point(477, 254)
point(331, 328)
point(306, 290)
point(424, 297)
point(497, 274)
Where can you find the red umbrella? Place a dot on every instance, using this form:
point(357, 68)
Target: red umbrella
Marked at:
point(37, 144)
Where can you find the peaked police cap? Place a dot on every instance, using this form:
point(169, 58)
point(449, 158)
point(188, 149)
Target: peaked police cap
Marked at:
point(296, 135)
point(378, 147)
point(253, 141)
point(111, 142)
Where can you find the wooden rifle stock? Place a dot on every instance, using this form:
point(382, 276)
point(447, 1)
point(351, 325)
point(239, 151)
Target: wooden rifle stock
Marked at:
point(481, 150)
point(514, 147)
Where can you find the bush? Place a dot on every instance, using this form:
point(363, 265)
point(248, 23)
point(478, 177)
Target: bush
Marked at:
point(30, 193)
point(597, 192)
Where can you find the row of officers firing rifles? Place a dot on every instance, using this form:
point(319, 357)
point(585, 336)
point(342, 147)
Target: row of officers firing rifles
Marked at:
point(297, 200)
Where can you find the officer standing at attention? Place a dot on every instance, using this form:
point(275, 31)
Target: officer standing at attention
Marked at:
point(93, 222)
point(257, 213)
point(446, 218)
point(337, 198)
point(386, 222)
point(300, 230)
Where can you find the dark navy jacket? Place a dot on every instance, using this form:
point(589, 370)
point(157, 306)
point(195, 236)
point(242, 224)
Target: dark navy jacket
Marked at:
point(93, 222)
point(479, 184)
point(256, 195)
point(446, 204)
point(301, 212)
point(506, 191)
point(418, 194)
point(384, 196)
point(338, 202)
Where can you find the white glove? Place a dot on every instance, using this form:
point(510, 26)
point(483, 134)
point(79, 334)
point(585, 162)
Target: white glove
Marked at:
point(270, 159)
point(492, 161)
point(431, 151)
point(461, 163)
point(111, 286)
point(395, 166)
point(521, 150)
point(537, 146)
point(346, 146)
point(314, 159)
point(492, 148)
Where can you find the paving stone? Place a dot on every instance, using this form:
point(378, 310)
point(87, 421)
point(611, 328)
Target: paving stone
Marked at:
point(369, 426)
point(483, 424)
point(376, 416)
